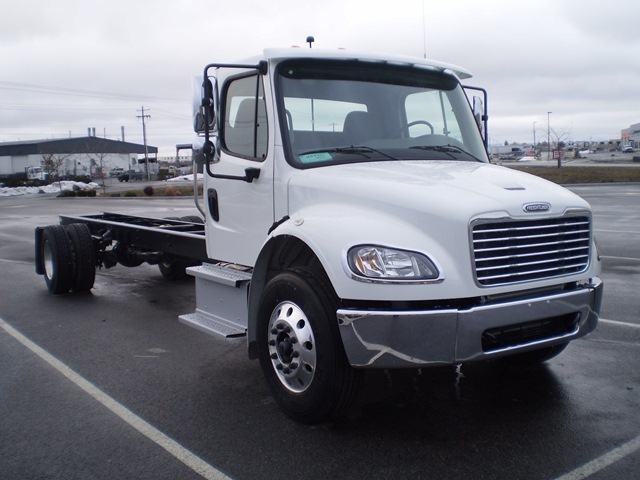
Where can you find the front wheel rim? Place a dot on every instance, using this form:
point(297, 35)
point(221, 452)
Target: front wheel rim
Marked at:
point(292, 347)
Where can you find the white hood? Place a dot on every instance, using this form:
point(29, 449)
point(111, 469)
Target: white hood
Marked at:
point(438, 188)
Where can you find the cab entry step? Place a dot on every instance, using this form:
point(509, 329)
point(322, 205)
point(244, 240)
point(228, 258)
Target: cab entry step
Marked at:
point(221, 301)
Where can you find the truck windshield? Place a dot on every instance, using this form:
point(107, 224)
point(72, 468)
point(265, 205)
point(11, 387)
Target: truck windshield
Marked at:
point(345, 111)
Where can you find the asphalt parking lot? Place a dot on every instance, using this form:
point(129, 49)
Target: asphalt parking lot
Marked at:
point(110, 385)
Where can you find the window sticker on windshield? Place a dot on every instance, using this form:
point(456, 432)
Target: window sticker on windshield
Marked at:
point(315, 157)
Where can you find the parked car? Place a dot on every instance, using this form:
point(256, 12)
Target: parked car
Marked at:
point(628, 149)
point(131, 176)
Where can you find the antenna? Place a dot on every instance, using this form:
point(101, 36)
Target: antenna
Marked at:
point(310, 40)
point(424, 31)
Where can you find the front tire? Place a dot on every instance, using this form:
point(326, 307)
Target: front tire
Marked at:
point(300, 349)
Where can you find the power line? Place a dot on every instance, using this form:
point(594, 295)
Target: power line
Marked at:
point(28, 87)
point(59, 106)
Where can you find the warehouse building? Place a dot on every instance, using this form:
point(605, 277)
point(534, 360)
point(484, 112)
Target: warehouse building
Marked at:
point(87, 156)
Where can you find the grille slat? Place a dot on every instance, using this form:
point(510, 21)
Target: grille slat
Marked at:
point(513, 251)
point(536, 228)
point(528, 245)
point(532, 273)
point(523, 265)
point(550, 252)
point(528, 237)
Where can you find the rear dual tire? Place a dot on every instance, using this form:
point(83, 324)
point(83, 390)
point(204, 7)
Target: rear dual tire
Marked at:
point(84, 257)
point(68, 258)
point(56, 259)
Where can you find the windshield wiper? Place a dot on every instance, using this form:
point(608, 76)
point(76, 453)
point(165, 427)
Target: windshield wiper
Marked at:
point(352, 150)
point(448, 149)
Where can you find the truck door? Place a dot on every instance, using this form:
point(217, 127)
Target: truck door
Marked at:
point(241, 211)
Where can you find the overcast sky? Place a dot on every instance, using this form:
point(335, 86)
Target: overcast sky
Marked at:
point(72, 64)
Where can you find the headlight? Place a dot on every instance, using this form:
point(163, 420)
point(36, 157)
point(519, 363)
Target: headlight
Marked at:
point(376, 263)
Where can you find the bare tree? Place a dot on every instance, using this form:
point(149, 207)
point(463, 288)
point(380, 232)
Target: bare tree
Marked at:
point(53, 163)
point(102, 164)
point(560, 141)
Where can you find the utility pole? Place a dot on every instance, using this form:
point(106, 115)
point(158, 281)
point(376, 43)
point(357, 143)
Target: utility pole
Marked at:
point(534, 140)
point(144, 138)
point(548, 137)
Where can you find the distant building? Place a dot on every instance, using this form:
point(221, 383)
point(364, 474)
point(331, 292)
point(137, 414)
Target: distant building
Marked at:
point(631, 136)
point(92, 156)
point(177, 165)
point(510, 151)
point(178, 161)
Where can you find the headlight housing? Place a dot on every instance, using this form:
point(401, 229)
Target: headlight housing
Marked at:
point(374, 263)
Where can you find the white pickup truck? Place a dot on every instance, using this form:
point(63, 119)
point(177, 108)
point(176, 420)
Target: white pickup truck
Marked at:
point(352, 220)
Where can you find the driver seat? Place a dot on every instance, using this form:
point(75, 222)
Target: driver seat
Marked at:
point(359, 126)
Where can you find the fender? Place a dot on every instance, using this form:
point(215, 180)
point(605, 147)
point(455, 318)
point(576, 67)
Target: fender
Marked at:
point(330, 230)
point(327, 230)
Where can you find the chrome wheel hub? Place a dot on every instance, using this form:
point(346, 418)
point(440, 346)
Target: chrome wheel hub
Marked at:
point(292, 347)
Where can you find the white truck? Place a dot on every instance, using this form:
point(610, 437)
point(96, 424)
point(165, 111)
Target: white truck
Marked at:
point(35, 173)
point(351, 220)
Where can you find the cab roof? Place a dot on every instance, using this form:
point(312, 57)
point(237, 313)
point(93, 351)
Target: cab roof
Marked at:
point(279, 54)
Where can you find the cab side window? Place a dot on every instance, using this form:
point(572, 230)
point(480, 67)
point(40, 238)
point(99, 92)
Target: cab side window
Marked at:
point(245, 119)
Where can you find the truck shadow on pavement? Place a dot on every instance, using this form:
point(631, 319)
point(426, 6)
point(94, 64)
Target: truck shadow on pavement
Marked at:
point(452, 400)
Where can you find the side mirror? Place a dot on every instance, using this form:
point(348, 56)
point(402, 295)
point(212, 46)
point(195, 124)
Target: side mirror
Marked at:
point(479, 114)
point(204, 113)
point(208, 104)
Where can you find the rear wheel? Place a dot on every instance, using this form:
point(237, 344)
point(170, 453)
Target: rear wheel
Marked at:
point(56, 259)
point(300, 349)
point(174, 269)
point(84, 257)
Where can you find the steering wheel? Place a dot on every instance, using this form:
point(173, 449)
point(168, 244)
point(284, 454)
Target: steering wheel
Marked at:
point(420, 122)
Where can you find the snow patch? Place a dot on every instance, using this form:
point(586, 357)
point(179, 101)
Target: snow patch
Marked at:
point(56, 187)
point(185, 178)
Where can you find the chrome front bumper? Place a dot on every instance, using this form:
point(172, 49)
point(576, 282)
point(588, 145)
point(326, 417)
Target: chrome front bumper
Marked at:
point(389, 339)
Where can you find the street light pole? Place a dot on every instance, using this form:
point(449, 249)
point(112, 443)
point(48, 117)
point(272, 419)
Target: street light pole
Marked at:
point(534, 140)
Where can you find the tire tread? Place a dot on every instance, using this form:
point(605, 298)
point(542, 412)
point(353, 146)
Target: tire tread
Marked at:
point(61, 256)
point(84, 257)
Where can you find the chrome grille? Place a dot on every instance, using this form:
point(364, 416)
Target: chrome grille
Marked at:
point(514, 251)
